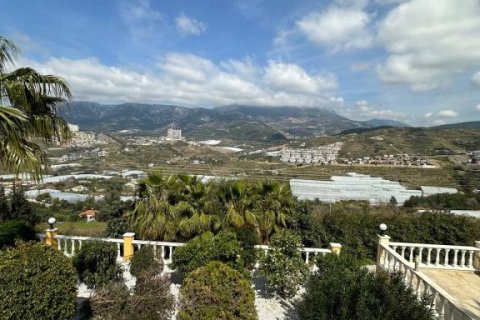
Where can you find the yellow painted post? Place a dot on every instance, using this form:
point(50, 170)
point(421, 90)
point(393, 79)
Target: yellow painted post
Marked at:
point(50, 239)
point(385, 241)
point(128, 246)
point(335, 247)
point(476, 259)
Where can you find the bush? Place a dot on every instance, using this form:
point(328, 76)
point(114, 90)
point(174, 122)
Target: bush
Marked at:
point(151, 300)
point(216, 291)
point(36, 282)
point(248, 238)
point(355, 226)
point(116, 228)
point(340, 289)
point(283, 266)
point(201, 250)
point(143, 261)
point(96, 263)
point(14, 229)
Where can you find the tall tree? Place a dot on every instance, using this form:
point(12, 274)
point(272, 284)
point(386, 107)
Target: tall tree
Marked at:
point(20, 208)
point(29, 105)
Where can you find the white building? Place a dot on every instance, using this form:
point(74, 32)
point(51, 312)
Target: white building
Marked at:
point(174, 134)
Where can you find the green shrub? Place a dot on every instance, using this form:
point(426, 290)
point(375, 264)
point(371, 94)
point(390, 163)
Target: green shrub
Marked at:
point(143, 261)
point(216, 291)
point(248, 238)
point(201, 250)
point(355, 226)
point(36, 282)
point(151, 300)
point(283, 266)
point(116, 228)
point(342, 290)
point(96, 263)
point(14, 229)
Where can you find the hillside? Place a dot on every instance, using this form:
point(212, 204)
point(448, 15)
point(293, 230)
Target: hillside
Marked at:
point(233, 122)
point(423, 141)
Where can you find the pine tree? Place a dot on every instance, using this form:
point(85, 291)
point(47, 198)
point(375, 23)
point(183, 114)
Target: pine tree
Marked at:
point(4, 207)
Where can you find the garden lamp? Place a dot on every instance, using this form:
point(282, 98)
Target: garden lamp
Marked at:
point(51, 222)
point(383, 229)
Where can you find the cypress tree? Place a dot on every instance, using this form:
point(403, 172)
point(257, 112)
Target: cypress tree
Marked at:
point(20, 208)
point(4, 207)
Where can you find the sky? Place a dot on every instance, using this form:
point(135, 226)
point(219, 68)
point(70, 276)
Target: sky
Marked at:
point(415, 61)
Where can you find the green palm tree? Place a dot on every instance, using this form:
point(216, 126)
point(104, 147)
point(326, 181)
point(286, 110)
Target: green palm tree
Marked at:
point(274, 206)
point(238, 199)
point(29, 113)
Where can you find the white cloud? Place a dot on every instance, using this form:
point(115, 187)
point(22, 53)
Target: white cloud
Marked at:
point(141, 19)
point(188, 26)
point(338, 28)
point(363, 110)
point(292, 78)
point(476, 79)
point(190, 80)
point(429, 41)
point(447, 114)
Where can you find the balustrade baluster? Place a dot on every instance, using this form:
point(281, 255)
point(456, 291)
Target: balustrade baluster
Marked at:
point(59, 244)
point(455, 256)
point(306, 257)
point(410, 259)
point(73, 247)
point(118, 250)
point(429, 256)
point(437, 259)
point(462, 260)
point(470, 259)
point(420, 258)
point(446, 257)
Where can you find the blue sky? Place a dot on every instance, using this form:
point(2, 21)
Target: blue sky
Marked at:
point(416, 61)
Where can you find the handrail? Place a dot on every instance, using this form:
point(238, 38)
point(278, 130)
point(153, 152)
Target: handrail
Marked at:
point(446, 303)
point(433, 246)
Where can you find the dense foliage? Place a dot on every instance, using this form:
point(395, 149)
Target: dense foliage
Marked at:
point(283, 266)
point(96, 263)
point(446, 201)
point(116, 228)
point(342, 290)
point(355, 226)
point(200, 251)
point(216, 292)
point(143, 261)
point(181, 207)
point(12, 230)
point(36, 282)
point(151, 300)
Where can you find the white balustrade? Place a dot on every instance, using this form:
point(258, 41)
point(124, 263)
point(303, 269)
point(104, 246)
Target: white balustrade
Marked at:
point(163, 251)
point(71, 244)
point(436, 256)
point(441, 303)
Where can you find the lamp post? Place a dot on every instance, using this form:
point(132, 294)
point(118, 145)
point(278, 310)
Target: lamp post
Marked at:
point(51, 222)
point(383, 229)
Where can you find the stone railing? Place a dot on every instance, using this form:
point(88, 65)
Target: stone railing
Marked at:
point(437, 256)
point(443, 305)
point(162, 250)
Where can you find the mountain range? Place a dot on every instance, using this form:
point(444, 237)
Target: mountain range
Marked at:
point(233, 121)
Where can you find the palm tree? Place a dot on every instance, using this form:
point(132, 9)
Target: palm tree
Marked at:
point(274, 206)
point(238, 201)
point(29, 105)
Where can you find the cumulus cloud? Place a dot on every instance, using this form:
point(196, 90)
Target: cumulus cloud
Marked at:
point(447, 113)
point(338, 28)
point(188, 26)
point(363, 110)
point(429, 41)
point(190, 80)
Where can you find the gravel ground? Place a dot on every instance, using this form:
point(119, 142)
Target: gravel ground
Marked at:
point(268, 307)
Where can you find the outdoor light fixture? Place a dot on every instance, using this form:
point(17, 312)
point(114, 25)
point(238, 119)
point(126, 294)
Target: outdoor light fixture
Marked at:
point(383, 229)
point(51, 222)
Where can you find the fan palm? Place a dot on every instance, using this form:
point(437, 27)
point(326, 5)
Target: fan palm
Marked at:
point(29, 105)
point(275, 204)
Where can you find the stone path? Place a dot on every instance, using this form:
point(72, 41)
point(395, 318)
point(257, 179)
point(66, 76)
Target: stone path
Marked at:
point(462, 285)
